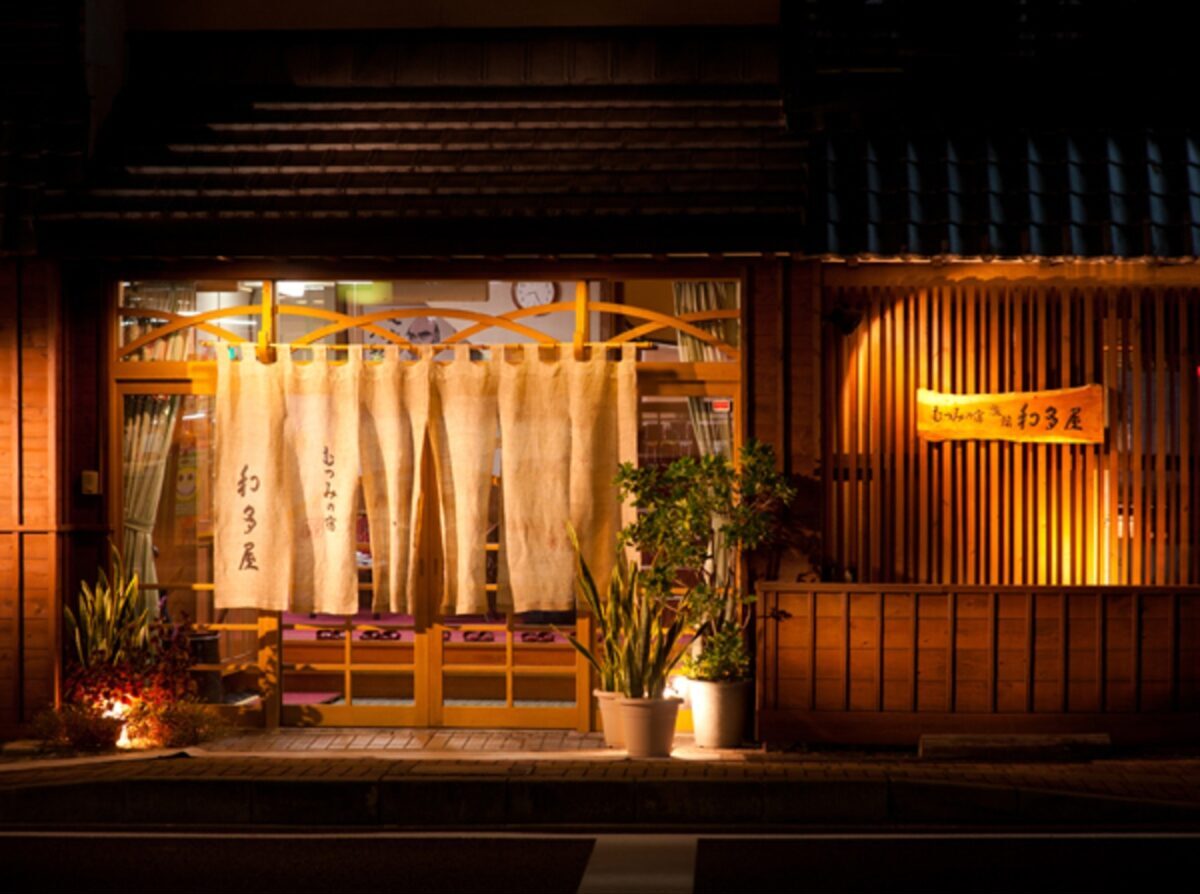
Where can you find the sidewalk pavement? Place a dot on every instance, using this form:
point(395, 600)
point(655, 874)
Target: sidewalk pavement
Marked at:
point(491, 779)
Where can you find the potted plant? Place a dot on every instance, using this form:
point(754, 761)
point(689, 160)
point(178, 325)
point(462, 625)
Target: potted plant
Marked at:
point(609, 615)
point(695, 515)
point(650, 647)
point(128, 680)
point(637, 645)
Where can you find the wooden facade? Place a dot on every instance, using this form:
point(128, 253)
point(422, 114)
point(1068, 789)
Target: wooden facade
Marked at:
point(884, 664)
point(976, 512)
point(972, 586)
point(29, 509)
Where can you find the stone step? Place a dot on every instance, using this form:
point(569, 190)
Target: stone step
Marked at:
point(1071, 746)
point(482, 802)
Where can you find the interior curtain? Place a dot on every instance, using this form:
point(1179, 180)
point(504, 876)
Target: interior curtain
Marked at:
point(713, 431)
point(149, 431)
point(462, 431)
point(564, 426)
point(322, 464)
point(394, 401)
point(252, 528)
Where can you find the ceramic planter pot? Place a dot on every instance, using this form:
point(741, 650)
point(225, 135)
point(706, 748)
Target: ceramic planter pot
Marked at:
point(718, 712)
point(649, 725)
point(610, 717)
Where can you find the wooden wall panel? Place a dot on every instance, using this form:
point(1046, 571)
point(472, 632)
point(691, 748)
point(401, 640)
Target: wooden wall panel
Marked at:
point(783, 390)
point(10, 628)
point(897, 508)
point(39, 331)
point(963, 658)
point(10, 398)
point(30, 523)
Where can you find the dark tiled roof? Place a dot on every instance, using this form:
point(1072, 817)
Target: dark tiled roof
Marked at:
point(43, 112)
point(552, 169)
point(1128, 194)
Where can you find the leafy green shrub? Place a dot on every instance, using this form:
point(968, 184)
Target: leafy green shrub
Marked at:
point(124, 660)
point(175, 724)
point(113, 624)
point(694, 516)
point(77, 727)
point(722, 657)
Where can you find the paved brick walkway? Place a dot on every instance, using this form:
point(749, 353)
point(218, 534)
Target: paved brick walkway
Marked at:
point(364, 754)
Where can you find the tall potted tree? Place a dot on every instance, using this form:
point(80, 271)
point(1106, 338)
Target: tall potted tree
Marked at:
point(694, 517)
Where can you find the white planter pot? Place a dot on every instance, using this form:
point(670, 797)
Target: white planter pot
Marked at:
point(610, 717)
point(718, 712)
point(649, 725)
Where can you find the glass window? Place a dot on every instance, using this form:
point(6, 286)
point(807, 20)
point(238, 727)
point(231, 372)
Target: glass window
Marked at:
point(679, 298)
point(187, 299)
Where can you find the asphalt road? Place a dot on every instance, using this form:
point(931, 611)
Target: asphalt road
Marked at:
point(491, 863)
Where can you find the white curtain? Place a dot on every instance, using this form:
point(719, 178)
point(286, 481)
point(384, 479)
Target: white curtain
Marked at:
point(462, 434)
point(565, 424)
point(306, 430)
point(393, 420)
point(253, 526)
point(321, 442)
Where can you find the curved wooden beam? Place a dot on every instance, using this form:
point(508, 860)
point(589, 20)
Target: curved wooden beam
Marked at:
point(177, 322)
point(334, 316)
point(668, 321)
point(703, 316)
point(347, 322)
point(520, 313)
point(340, 322)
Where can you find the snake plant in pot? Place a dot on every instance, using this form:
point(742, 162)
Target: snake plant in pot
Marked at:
point(650, 647)
point(637, 644)
point(609, 614)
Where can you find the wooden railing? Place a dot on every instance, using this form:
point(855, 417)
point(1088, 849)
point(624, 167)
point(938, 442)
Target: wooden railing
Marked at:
point(915, 656)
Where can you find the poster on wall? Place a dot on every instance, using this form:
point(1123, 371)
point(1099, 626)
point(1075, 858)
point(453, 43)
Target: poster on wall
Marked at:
point(1061, 416)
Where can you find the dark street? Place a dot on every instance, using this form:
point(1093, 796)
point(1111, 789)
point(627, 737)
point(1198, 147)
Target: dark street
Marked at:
point(548, 864)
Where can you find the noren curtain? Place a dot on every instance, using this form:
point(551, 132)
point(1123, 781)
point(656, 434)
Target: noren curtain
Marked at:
point(393, 421)
point(565, 425)
point(304, 431)
point(252, 530)
point(322, 463)
point(463, 435)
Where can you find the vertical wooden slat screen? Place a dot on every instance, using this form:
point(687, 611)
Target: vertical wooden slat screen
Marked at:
point(1001, 513)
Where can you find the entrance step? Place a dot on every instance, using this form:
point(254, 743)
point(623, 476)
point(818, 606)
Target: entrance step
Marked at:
point(370, 793)
point(1075, 746)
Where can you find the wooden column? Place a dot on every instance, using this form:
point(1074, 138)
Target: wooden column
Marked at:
point(30, 606)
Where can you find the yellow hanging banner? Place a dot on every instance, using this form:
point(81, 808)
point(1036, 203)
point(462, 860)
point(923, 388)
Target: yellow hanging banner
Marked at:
point(1063, 416)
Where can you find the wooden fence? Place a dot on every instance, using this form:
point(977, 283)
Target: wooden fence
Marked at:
point(884, 663)
point(898, 508)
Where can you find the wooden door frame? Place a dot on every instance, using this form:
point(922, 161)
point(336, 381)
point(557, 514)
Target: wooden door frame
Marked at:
point(198, 377)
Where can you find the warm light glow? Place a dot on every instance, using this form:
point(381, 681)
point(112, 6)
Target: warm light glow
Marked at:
point(119, 710)
point(677, 687)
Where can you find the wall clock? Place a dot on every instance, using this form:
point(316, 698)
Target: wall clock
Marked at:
point(534, 294)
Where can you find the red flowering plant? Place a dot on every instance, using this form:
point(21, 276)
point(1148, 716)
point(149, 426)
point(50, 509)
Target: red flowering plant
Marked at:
point(127, 666)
